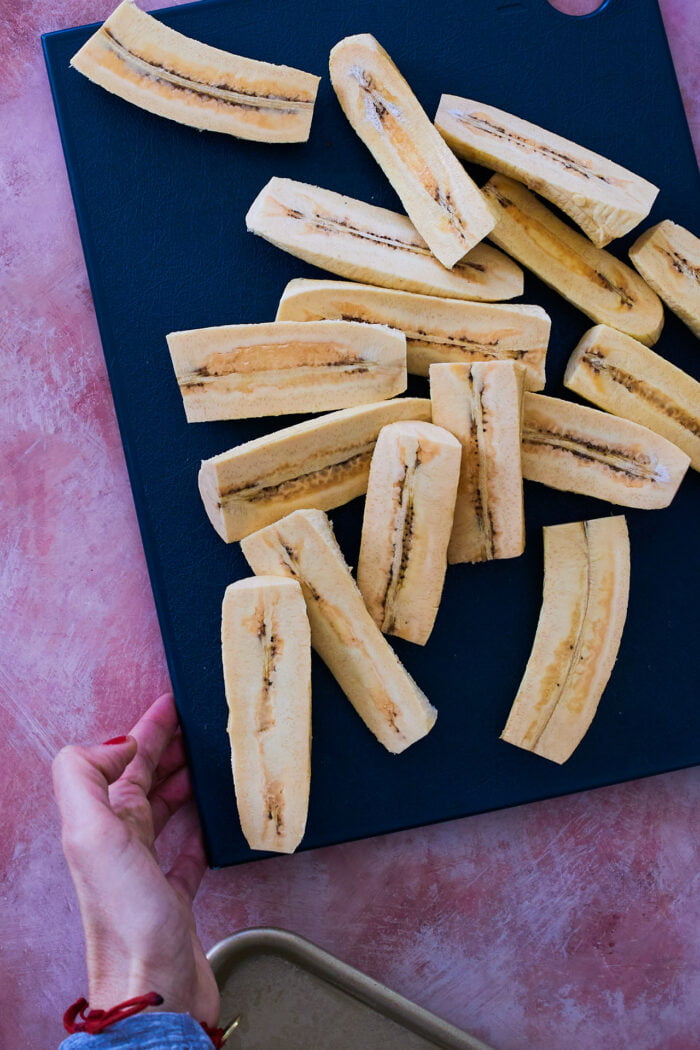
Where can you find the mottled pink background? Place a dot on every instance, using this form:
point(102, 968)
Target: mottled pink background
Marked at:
point(567, 923)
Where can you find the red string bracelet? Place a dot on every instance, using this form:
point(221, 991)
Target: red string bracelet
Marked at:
point(95, 1021)
point(215, 1034)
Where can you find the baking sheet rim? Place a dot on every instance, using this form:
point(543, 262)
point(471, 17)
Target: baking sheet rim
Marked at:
point(321, 964)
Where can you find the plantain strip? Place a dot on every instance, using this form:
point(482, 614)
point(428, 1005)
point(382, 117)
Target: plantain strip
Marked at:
point(143, 61)
point(590, 278)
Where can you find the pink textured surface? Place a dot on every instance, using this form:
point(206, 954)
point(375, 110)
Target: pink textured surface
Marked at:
point(572, 922)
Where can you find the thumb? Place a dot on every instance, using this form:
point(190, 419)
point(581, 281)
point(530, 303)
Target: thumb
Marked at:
point(82, 775)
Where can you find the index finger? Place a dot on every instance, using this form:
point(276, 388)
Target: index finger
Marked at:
point(153, 732)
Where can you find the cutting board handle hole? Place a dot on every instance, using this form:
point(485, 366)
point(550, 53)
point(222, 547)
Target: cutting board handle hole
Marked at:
point(578, 8)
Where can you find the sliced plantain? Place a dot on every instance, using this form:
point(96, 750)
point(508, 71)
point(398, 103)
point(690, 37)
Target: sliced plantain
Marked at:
point(406, 527)
point(345, 636)
point(441, 200)
point(366, 243)
point(266, 651)
point(322, 463)
point(604, 199)
point(481, 404)
point(579, 449)
point(584, 606)
point(145, 62)
point(668, 258)
point(626, 378)
point(282, 367)
point(436, 329)
point(595, 282)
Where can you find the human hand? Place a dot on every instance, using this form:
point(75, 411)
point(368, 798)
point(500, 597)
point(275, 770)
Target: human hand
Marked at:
point(140, 933)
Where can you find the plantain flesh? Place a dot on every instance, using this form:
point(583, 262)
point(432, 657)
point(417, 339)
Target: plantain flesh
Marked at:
point(481, 404)
point(322, 463)
point(282, 367)
point(436, 329)
point(668, 258)
point(579, 449)
point(441, 200)
point(406, 528)
point(626, 378)
point(266, 652)
point(590, 278)
point(374, 245)
point(302, 546)
point(603, 198)
point(152, 66)
point(584, 607)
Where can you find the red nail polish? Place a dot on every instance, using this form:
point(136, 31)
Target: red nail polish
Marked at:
point(116, 740)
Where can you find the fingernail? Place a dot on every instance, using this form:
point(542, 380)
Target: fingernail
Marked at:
point(116, 740)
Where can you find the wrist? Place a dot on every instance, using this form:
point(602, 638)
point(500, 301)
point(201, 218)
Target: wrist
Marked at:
point(114, 977)
point(105, 992)
point(126, 1025)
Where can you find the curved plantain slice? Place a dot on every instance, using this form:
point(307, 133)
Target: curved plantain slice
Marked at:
point(442, 202)
point(481, 404)
point(371, 244)
point(406, 527)
point(343, 633)
point(626, 378)
point(282, 367)
point(266, 653)
point(579, 449)
point(595, 282)
point(436, 329)
point(321, 463)
point(668, 258)
point(604, 199)
point(145, 62)
point(584, 607)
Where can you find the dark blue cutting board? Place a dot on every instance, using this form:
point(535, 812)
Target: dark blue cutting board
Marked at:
point(161, 212)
